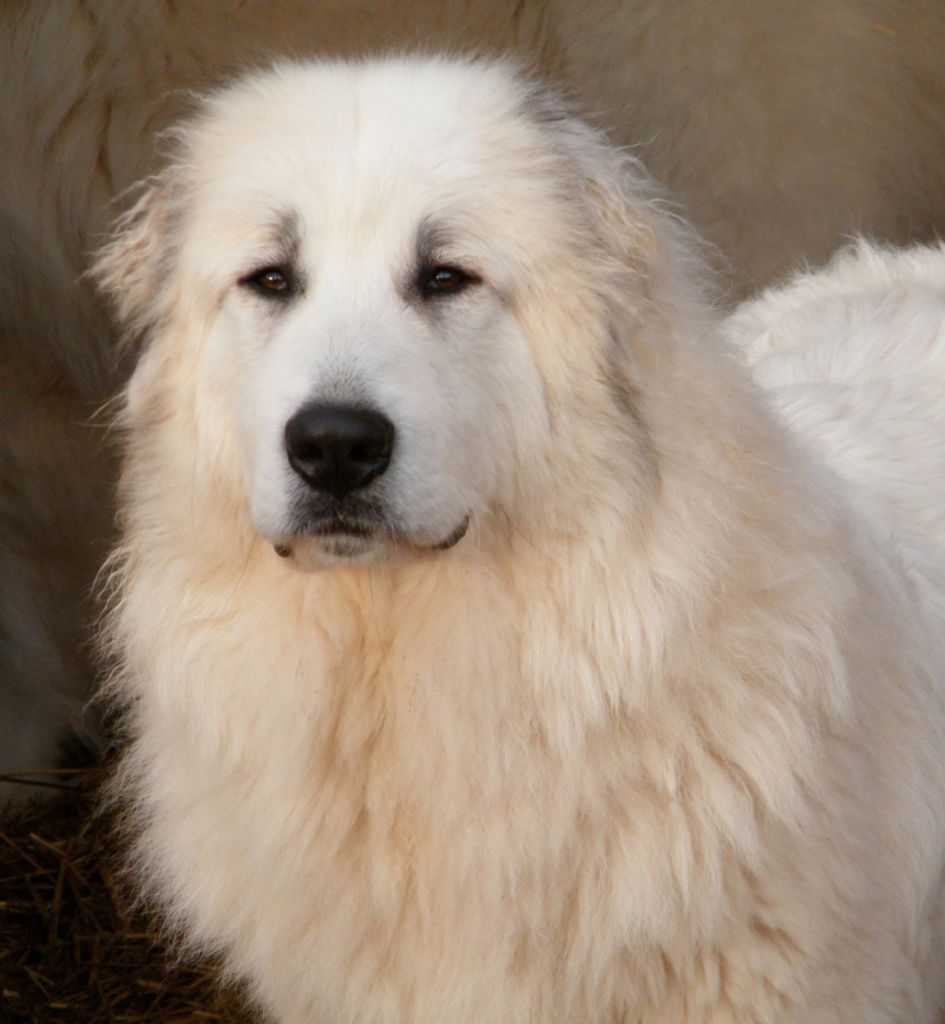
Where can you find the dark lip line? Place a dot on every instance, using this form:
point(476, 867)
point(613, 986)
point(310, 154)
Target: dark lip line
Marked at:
point(342, 527)
point(454, 538)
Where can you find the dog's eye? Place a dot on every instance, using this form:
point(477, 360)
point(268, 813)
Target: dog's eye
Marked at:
point(275, 281)
point(444, 280)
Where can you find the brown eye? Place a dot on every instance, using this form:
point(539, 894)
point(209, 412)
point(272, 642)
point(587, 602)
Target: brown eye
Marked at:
point(442, 280)
point(274, 281)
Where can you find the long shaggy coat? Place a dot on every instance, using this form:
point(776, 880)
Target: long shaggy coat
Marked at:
point(780, 128)
point(612, 699)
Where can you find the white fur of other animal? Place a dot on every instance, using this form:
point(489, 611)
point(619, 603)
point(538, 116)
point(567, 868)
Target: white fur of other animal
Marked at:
point(661, 739)
point(854, 357)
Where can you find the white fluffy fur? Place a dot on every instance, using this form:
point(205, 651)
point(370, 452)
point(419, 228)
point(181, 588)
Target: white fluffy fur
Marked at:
point(854, 357)
point(781, 128)
point(661, 739)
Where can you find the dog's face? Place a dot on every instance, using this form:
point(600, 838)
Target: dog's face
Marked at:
point(366, 258)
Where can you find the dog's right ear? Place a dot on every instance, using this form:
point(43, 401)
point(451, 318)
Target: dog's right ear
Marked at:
point(132, 269)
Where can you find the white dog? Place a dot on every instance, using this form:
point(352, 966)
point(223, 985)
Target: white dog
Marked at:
point(490, 652)
point(781, 128)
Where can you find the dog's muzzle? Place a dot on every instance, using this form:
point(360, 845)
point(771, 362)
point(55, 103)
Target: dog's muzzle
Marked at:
point(338, 451)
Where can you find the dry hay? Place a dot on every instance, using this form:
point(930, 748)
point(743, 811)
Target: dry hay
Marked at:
point(71, 948)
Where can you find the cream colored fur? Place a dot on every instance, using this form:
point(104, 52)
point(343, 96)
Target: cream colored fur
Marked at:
point(779, 128)
point(660, 740)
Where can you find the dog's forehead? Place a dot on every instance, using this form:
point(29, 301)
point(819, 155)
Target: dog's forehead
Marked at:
point(351, 130)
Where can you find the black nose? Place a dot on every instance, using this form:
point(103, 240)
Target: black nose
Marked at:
point(338, 448)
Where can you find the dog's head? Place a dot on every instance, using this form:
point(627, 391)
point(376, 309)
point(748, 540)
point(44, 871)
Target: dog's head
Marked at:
point(383, 301)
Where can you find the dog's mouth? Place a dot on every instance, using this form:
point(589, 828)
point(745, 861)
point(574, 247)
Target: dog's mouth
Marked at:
point(338, 526)
point(339, 536)
point(344, 538)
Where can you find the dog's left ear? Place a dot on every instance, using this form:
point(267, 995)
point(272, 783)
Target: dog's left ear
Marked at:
point(640, 240)
point(619, 199)
point(131, 269)
point(614, 188)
